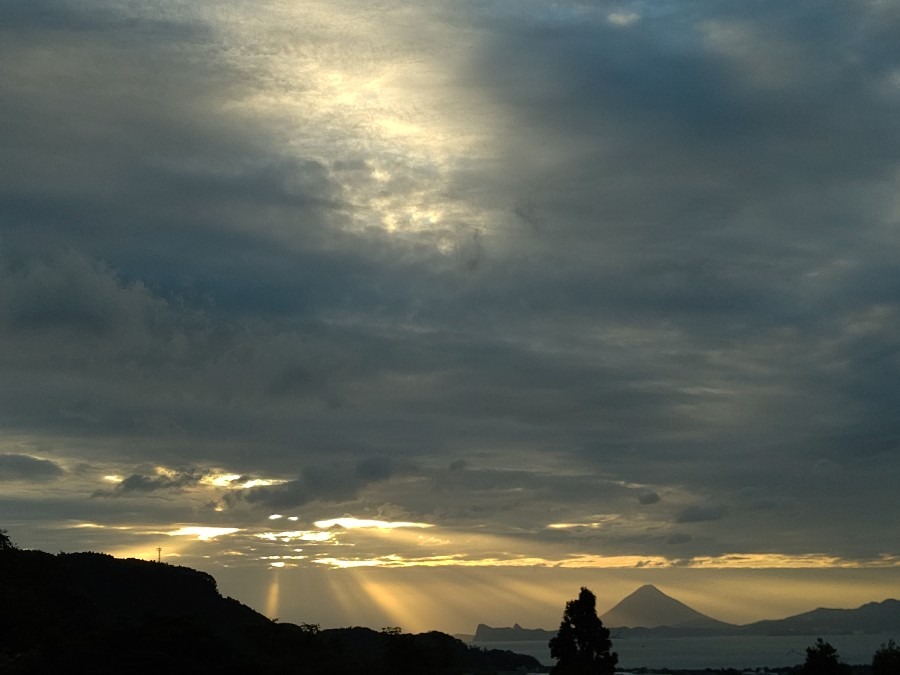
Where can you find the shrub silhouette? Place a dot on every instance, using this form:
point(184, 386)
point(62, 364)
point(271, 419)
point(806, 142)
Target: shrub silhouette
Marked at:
point(886, 660)
point(822, 659)
point(5, 542)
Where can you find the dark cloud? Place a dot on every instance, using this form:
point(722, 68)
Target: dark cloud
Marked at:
point(141, 484)
point(648, 497)
point(375, 468)
point(338, 482)
point(700, 514)
point(26, 468)
point(67, 292)
point(657, 254)
point(679, 538)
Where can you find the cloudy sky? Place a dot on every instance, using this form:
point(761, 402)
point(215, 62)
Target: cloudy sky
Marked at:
point(427, 313)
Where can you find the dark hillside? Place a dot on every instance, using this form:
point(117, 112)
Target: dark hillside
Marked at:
point(70, 610)
point(90, 612)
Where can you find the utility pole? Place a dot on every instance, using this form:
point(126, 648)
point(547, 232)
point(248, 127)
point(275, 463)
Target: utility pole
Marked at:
point(159, 554)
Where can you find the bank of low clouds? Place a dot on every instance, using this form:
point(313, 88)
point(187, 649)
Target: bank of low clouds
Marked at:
point(606, 282)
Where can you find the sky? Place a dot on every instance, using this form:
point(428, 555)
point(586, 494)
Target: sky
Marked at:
point(429, 312)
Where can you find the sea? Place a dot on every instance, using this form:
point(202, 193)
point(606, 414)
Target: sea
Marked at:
point(741, 652)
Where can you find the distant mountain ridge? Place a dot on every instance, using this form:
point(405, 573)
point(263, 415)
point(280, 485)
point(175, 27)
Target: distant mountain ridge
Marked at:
point(872, 617)
point(649, 612)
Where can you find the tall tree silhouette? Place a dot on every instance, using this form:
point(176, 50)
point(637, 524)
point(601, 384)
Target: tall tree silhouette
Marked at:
point(582, 645)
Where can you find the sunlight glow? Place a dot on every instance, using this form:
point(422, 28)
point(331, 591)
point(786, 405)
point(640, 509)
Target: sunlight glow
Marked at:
point(394, 128)
point(302, 535)
point(284, 557)
point(202, 533)
point(586, 561)
point(594, 525)
point(613, 562)
point(460, 560)
point(147, 550)
point(349, 523)
point(98, 526)
point(783, 561)
point(273, 595)
point(230, 480)
point(256, 482)
point(348, 542)
point(347, 564)
point(408, 600)
point(221, 479)
point(622, 19)
point(374, 106)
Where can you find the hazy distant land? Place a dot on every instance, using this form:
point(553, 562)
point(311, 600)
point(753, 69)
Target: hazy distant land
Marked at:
point(651, 629)
point(650, 613)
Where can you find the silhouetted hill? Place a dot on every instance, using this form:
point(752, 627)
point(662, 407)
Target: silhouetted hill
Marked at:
point(434, 652)
point(62, 613)
point(90, 612)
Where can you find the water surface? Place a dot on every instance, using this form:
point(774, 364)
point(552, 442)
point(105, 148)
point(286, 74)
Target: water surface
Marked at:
point(717, 652)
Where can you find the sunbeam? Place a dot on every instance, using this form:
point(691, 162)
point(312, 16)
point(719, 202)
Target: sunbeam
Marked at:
point(273, 594)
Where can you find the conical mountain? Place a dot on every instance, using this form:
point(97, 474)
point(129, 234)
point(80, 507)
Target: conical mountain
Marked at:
point(649, 607)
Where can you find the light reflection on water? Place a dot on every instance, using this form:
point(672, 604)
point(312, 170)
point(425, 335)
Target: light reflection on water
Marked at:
point(717, 652)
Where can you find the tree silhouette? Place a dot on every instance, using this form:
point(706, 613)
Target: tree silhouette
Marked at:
point(5, 542)
point(822, 659)
point(582, 645)
point(886, 660)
